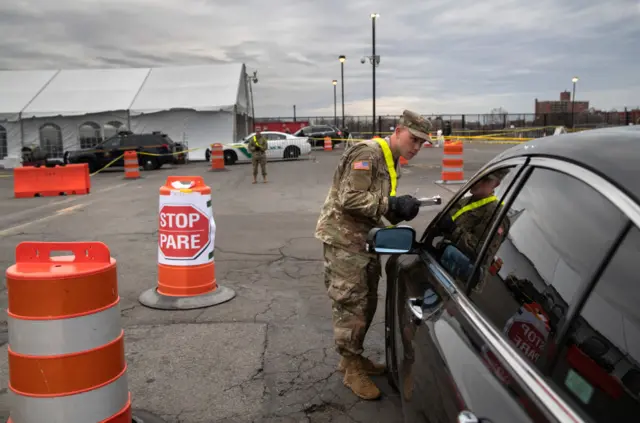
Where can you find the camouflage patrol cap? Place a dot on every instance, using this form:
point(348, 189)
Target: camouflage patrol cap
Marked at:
point(416, 124)
point(498, 175)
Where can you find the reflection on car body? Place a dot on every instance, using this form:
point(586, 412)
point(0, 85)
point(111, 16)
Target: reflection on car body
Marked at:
point(535, 317)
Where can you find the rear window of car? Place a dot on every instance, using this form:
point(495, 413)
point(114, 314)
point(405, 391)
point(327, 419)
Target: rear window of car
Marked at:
point(598, 364)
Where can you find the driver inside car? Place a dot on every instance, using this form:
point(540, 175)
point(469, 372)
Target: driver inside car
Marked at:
point(466, 224)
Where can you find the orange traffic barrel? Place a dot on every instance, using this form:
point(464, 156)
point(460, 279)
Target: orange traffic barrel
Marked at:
point(131, 165)
point(328, 145)
point(217, 157)
point(186, 239)
point(452, 163)
point(66, 343)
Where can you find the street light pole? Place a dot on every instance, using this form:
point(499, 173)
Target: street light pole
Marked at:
point(342, 58)
point(573, 102)
point(335, 102)
point(374, 16)
point(252, 79)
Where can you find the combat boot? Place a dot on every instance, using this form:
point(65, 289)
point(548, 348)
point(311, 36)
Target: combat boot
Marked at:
point(371, 368)
point(356, 379)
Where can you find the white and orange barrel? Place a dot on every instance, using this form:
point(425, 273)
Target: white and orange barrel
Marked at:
point(66, 343)
point(328, 144)
point(186, 241)
point(131, 165)
point(452, 163)
point(217, 157)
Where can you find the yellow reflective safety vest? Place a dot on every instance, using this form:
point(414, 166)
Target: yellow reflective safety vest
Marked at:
point(388, 158)
point(474, 205)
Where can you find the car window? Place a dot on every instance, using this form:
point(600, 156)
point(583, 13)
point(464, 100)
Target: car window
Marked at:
point(556, 232)
point(136, 141)
point(455, 237)
point(598, 366)
point(111, 143)
point(278, 137)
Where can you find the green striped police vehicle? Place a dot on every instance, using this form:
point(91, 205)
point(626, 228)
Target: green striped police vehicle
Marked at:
point(281, 146)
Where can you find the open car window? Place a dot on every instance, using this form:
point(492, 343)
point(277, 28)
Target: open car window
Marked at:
point(457, 234)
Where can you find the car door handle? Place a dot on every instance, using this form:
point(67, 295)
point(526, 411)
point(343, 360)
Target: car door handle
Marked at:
point(418, 312)
point(415, 306)
point(467, 416)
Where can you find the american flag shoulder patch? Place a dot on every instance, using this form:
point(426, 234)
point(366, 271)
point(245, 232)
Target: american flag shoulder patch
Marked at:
point(361, 165)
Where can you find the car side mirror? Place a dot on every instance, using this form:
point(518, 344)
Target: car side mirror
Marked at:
point(394, 240)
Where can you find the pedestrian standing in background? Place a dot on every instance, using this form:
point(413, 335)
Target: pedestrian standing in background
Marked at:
point(258, 146)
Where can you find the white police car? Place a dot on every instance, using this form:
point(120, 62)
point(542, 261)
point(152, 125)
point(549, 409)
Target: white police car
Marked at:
point(281, 146)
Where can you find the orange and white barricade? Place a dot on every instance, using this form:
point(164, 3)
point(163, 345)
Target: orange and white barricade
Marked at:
point(66, 343)
point(452, 163)
point(217, 157)
point(328, 144)
point(186, 240)
point(131, 165)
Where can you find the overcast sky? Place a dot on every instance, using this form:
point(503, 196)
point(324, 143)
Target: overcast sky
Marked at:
point(437, 56)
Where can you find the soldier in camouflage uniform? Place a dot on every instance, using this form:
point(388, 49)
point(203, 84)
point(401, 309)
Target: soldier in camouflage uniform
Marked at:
point(258, 146)
point(361, 194)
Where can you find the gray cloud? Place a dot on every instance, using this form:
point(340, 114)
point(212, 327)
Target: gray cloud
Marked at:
point(437, 56)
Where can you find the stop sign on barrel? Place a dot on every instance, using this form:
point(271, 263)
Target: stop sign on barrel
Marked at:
point(184, 232)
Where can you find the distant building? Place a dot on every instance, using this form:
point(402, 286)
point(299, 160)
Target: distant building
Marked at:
point(562, 106)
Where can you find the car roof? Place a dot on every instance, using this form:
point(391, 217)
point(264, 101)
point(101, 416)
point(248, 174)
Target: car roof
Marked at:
point(271, 132)
point(613, 153)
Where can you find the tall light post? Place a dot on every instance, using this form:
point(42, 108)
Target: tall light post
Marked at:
point(250, 80)
point(374, 16)
point(342, 58)
point(573, 102)
point(375, 62)
point(335, 102)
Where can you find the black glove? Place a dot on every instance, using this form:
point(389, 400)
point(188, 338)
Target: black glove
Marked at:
point(447, 224)
point(405, 207)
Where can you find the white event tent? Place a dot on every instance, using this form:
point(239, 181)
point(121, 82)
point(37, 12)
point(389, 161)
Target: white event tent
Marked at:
point(70, 109)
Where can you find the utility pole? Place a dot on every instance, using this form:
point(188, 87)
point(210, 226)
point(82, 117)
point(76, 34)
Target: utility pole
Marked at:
point(342, 58)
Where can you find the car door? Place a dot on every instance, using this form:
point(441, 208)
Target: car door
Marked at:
point(109, 151)
point(597, 367)
point(277, 144)
point(436, 349)
point(556, 230)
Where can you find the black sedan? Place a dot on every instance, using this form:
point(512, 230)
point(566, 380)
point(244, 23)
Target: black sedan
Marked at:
point(532, 312)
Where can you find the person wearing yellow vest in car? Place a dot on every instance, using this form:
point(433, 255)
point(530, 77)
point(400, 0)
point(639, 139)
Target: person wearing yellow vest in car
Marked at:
point(363, 191)
point(258, 146)
point(467, 223)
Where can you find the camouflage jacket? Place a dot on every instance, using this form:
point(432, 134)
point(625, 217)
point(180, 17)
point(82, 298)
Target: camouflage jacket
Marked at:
point(357, 199)
point(261, 147)
point(471, 228)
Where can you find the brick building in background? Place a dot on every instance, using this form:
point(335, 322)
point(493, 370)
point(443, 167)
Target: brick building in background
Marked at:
point(561, 106)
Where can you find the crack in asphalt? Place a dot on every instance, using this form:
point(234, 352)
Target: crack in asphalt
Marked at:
point(306, 386)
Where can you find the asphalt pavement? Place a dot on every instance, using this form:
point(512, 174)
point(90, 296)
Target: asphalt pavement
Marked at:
point(265, 356)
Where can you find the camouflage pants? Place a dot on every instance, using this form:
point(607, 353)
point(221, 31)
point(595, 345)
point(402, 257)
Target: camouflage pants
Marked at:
point(262, 161)
point(351, 280)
